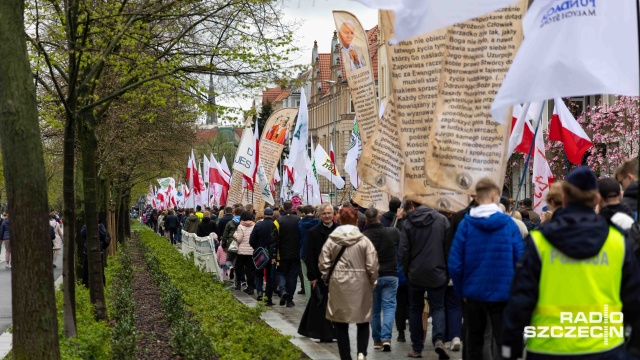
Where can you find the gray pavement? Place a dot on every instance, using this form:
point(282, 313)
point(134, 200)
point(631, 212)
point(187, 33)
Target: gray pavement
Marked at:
point(5, 290)
point(286, 320)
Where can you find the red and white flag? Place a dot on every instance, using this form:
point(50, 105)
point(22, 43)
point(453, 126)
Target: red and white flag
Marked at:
point(542, 175)
point(564, 127)
point(219, 182)
point(522, 132)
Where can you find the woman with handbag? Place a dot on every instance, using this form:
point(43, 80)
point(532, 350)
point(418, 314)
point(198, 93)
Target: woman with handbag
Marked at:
point(244, 262)
point(349, 266)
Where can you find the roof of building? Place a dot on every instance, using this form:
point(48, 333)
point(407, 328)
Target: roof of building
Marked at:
point(283, 95)
point(272, 94)
point(204, 135)
point(325, 71)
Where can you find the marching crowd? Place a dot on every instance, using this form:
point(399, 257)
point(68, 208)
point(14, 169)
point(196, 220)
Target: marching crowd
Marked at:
point(486, 273)
point(55, 231)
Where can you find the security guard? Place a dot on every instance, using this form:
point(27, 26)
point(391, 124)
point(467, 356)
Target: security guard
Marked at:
point(576, 282)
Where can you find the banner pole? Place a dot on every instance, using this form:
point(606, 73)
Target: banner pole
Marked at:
point(526, 164)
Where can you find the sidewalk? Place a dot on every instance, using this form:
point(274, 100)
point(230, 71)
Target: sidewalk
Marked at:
point(286, 320)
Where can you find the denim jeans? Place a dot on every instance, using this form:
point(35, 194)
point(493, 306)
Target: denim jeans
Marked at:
point(436, 310)
point(384, 299)
point(288, 276)
point(453, 313)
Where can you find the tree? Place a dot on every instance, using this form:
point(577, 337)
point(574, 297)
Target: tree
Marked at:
point(265, 111)
point(143, 42)
point(35, 326)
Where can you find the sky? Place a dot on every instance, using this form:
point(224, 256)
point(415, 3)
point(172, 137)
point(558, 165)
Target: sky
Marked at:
point(316, 23)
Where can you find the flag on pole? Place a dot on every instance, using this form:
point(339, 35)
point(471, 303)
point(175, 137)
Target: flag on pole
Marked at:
point(521, 131)
point(298, 148)
point(542, 175)
point(417, 17)
point(600, 58)
point(206, 165)
point(244, 161)
point(326, 167)
point(564, 127)
point(351, 162)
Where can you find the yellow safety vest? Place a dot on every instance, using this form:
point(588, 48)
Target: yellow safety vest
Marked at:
point(579, 289)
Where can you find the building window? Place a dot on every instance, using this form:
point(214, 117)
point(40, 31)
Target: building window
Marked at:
point(352, 109)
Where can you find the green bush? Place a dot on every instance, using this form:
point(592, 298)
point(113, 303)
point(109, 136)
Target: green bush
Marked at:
point(235, 330)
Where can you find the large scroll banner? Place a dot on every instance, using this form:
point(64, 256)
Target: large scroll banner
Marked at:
point(354, 54)
point(356, 61)
point(381, 163)
point(465, 143)
point(414, 67)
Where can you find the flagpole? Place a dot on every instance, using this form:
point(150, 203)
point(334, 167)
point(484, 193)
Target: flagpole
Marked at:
point(638, 30)
point(526, 164)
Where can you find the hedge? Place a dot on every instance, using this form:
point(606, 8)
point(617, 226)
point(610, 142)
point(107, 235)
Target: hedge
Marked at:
point(234, 329)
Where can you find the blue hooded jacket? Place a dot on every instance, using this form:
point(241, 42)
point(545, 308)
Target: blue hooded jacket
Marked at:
point(4, 230)
point(483, 257)
point(305, 223)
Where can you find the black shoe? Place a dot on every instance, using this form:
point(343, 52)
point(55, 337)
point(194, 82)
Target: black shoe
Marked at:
point(237, 287)
point(283, 300)
point(290, 304)
point(269, 303)
point(301, 292)
point(401, 337)
point(54, 266)
point(248, 291)
point(325, 341)
point(259, 297)
point(231, 276)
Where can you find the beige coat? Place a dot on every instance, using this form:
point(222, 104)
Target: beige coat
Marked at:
point(351, 285)
point(57, 228)
point(242, 235)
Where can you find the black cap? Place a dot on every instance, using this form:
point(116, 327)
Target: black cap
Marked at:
point(268, 211)
point(583, 178)
point(609, 188)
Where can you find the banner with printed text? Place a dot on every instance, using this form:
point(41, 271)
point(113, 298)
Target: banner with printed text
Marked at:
point(465, 143)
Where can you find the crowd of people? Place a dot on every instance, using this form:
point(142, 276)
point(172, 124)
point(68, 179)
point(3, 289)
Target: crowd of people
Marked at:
point(55, 232)
point(483, 273)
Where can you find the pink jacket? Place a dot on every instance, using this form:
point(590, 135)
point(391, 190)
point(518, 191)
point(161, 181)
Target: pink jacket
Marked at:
point(242, 235)
point(221, 255)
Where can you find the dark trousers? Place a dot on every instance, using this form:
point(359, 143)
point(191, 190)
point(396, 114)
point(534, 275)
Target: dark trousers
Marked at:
point(268, 288)
point(402, 307)
point(453, 314)
point(288, 277)
point(301, 277)
point(344, 345)
point(436, 310)
point(476, 316)
point(246, 267)
point(172, 236)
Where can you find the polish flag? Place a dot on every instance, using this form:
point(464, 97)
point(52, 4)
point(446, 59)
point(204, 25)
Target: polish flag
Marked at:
point(521, 131)
point(565, 128)
point(219, 181)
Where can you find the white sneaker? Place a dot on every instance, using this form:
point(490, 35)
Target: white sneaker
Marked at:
point(8, 266)
point(361, 356)
point(456, 344)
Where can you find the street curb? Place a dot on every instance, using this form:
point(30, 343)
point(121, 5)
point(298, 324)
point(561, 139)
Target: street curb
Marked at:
point(6, 339)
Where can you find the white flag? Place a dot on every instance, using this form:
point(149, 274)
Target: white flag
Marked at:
point(244, 161)
point(542, 175)
point(572, 48)
point(351, 162)
point(298, 148)
point(326, 168)
point(206, 165)
point(166, 182)
point(265, 187)
point(417, 17)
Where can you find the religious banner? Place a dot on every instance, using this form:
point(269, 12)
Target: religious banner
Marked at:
point(273, 139)
point(356, 62)
point(465, 143)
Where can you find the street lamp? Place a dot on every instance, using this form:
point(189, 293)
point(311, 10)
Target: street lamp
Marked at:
point(335, 119)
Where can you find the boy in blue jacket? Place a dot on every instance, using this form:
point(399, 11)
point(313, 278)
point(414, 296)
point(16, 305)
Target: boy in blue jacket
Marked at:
point(482, 262)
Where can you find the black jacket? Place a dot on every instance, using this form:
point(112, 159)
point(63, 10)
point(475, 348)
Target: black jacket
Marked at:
point(387, 218)
point(579, 233)
point(285, 239)
point(261, 234)
point(206, 227)
point(222, 223)
point(455, 221)
point(630, 197)
point(608, 211)
point(171, 222)
point(316, 238)
point(422, 247)
point(386, 240)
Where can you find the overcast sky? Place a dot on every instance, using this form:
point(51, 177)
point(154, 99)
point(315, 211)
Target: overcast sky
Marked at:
point(316, 24)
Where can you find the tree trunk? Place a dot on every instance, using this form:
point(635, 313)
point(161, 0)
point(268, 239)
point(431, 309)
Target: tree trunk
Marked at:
point(89, 146)
point(69, 223)
point(35, 326)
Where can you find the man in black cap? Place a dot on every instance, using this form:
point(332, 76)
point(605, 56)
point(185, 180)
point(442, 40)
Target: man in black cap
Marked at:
point(574, 265)
point(611, 208)
point(528, 207)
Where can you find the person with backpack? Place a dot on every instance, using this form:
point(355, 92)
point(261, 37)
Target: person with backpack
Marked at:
point(244, 263)
point(261, 238)
point(105, 240)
